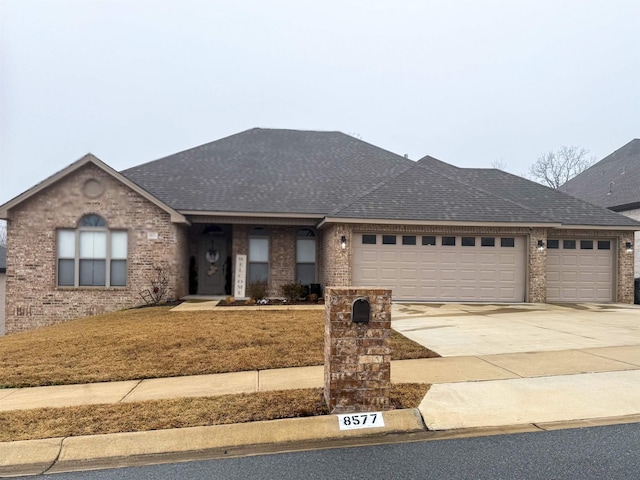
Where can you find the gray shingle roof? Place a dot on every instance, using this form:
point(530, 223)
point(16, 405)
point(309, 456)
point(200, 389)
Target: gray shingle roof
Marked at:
point(613, 182)
point(434, 190)
point(420, 193)
point(330, 173)
point(269, 171)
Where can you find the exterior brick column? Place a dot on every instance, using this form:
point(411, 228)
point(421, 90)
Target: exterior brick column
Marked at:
point(537, 281)
point(357, 357)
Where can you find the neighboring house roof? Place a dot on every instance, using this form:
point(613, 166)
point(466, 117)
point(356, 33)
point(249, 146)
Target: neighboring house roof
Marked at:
point(3, 259)
point(613, 182)
point(89, 159)
point(436, 191)
point(269, 171)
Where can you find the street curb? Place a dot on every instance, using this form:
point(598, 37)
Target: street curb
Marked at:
point(92, 452)
point(34, 457)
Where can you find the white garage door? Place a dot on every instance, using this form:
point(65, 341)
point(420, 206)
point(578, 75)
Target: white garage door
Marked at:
point(580, 270)
point(441, 267)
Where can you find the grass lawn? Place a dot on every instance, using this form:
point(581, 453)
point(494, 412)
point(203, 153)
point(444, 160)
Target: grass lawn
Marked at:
point(178, 413)
point(154, 342)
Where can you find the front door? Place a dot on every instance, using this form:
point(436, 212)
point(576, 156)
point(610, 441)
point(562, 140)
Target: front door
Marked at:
point(212, 264)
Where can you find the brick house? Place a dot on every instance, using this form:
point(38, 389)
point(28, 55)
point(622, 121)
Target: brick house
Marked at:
point(3, 280)
point(613, 183)
point(320, 208)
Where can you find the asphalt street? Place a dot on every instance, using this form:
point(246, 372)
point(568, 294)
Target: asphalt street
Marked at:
point(608, 452)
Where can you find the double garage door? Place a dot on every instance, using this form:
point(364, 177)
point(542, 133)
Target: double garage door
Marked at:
point(442, 267)
point(580, 270)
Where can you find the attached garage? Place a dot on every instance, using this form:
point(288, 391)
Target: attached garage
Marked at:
point(580, 270)
point(442, 267)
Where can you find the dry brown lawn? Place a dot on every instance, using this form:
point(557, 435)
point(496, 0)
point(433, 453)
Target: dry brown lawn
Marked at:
point(154, 342)
point(178, 413)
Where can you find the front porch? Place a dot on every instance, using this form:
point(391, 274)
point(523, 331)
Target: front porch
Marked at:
point(226, 258)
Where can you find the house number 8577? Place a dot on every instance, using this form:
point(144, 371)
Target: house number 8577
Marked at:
point(360, 420)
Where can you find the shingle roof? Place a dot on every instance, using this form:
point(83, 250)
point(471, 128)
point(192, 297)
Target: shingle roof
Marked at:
point(420, 193)
point(613, 182)
point(330, 173)
point(269, 171)
point(434, 190)
point(3, 259)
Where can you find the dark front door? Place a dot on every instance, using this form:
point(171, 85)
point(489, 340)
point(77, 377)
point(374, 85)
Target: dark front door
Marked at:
point(212, 264)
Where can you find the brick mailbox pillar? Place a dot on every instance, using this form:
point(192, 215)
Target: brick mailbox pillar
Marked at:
point(357, 357)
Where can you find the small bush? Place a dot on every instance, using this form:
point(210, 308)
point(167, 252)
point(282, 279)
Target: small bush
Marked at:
point(258, 290)
point(292, 291)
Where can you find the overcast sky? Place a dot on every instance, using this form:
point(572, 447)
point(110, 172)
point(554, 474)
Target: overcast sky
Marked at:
point(468, 82)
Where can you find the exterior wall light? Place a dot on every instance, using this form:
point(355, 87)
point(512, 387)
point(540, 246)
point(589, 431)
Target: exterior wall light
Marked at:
point(629, 247)
point(343, 242)
point(540, 245)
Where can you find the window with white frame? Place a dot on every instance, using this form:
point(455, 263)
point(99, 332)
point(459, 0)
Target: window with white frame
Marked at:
point(258, 255)
point(92, 255)
point(306, 256)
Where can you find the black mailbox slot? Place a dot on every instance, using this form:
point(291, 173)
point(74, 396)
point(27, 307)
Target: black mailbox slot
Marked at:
point(360, 311)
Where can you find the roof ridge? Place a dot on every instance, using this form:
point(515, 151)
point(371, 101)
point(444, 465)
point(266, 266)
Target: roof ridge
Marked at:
point(372, 189)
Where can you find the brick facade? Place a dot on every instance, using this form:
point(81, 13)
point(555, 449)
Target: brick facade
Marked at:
point(33, 297)
point(357, 356)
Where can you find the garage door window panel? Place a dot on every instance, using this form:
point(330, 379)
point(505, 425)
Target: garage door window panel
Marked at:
point(468, 241)
point(428, 240)
point(488, 242)
point(604, 245)
point(586, 244)
point(388, 239)
point(553, 244)
point(569, 244)
point(449, 241)
point(369, 239)
point(408, 240)
point(508, 242)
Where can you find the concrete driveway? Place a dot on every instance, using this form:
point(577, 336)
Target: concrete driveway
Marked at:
point(462, 329)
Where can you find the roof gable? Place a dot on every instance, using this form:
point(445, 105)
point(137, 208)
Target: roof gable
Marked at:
point(88, 159)
point(613, 182)
point(269, 171)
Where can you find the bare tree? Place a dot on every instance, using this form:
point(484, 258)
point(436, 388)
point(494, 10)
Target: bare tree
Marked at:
point(499, 164)
point(556, 168)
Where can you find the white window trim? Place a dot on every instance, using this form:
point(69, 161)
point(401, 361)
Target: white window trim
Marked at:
point(76, 266)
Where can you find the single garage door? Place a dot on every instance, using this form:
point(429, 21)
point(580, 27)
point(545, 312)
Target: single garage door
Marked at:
point(580, 270)
point(442, 267)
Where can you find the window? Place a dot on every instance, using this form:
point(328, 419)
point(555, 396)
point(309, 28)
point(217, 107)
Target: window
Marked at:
point(428, 240)
point(408, 239)
point(368, 239)
point(449, 241)
point(604, 245)
point(488, 242)
point(258, 255)
point(553, 244)
point(569, 244)
point(468, 241)
point(507, 242)
point(92, 255)
point(586, 244)
point(388, 239)
point(306, 256)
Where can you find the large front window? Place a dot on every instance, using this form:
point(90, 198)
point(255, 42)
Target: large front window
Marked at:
point(92, 255)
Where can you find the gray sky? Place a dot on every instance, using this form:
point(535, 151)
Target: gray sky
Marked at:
point(468, 82)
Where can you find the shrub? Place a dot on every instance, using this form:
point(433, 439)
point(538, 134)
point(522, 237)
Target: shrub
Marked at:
point(258, 290)
point(292, 291)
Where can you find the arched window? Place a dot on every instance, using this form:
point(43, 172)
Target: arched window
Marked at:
point(258, 255)
point(92, 255)
point(306, 256)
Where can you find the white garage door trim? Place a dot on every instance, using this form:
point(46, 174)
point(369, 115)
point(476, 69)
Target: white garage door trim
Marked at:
point(580, 270)
point(480, 268)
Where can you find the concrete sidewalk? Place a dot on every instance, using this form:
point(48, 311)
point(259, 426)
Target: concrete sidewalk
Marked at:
point(470, 395)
